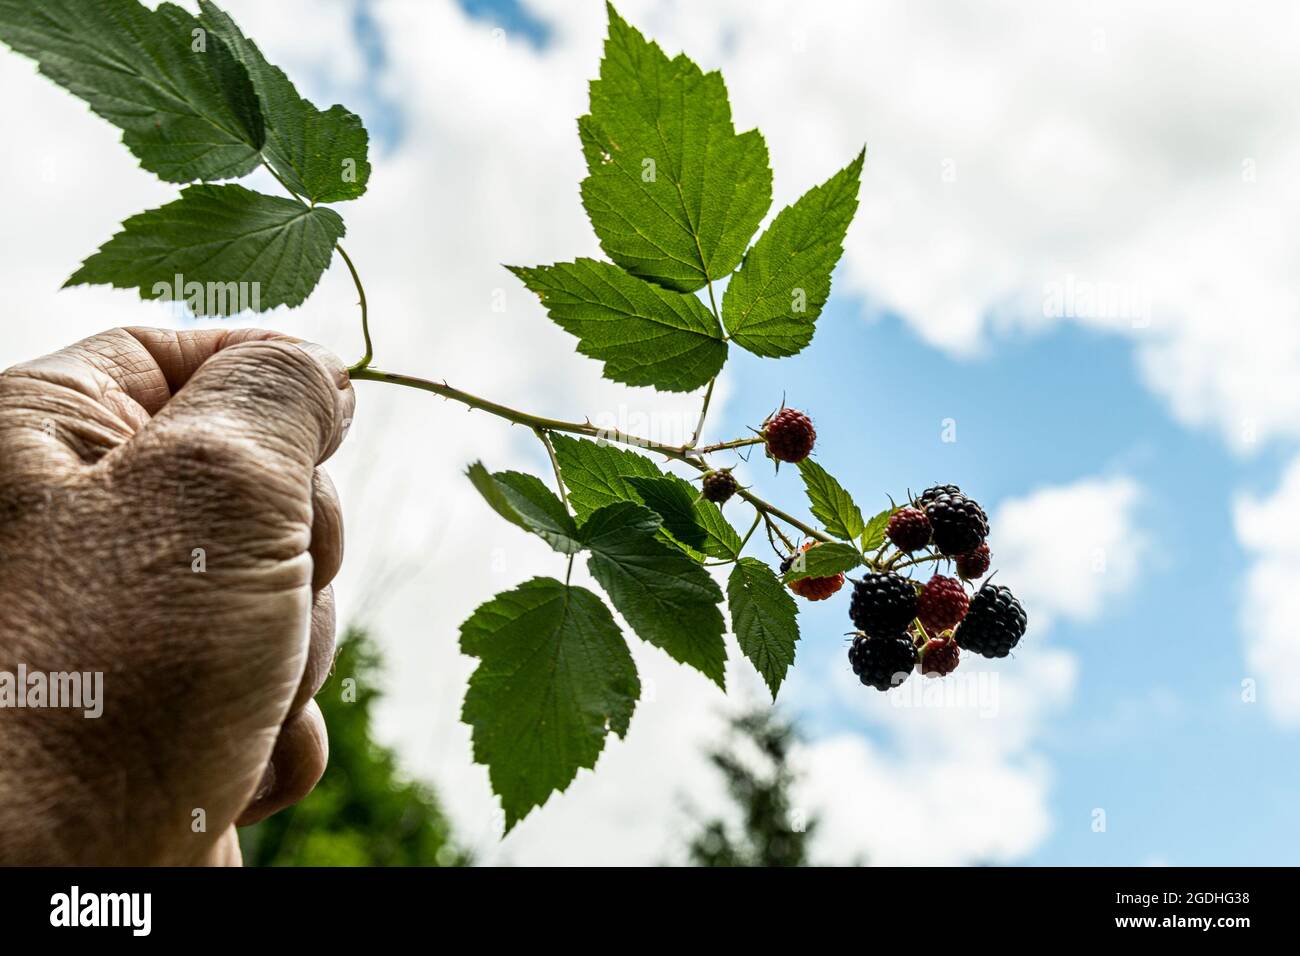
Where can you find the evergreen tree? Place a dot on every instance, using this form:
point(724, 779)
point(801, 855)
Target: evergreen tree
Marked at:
point(773, 832)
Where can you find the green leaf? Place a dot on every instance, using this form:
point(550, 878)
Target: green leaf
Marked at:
point(321, 155)
point(721, 540)
point(823, 561)
point(830, 503)
point(245, 250)
point(525, 501)
point(601, 474)
point(184, 103)
point(674, 194)
point(666, 598)
point(598, 474)
point(674, 501)
point(764, 619)
point(554, 677)
point(772, 303)
point(645, 335)
point(873, 536)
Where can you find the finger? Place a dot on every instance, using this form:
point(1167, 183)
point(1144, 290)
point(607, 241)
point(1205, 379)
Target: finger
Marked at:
point(147, 366)
point(288, 401)
point(225, 852)
point(94, 395)
point(86, 370)
point(326, 530)
point(178, 355)
point(320, 649)
point(296, 765)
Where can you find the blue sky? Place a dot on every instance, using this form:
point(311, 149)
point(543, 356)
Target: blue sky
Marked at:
point(1156, 732)
point(1191, 777)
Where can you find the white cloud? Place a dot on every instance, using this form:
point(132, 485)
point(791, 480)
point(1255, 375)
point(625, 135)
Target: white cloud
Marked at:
point(961, 778)
point(1268, 529)
point(1065, 549)
point(486, 173)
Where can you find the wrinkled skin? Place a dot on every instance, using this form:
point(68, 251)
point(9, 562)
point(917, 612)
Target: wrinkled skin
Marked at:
point(119, 457)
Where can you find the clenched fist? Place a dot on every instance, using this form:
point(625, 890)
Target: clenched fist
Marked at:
point(163, 523)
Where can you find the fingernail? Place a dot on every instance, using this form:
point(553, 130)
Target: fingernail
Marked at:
point(330, 362)
point(267, 785)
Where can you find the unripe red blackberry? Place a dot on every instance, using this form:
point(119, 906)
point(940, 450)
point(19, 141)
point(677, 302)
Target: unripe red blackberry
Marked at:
point(883, 604)
point(973, 565)
point(812, 589)
point(940, 657)
point(909, 529)
point(790, 435)
point(882, 662)
point(957, 523)
point(719, 486)
point(817, 589)
point(994, 624)
point(941, 604)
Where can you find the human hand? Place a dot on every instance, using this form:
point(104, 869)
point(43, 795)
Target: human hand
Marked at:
point(163, 521)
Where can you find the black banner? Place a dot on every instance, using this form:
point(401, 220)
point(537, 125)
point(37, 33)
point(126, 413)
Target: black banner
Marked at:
point(208, 905)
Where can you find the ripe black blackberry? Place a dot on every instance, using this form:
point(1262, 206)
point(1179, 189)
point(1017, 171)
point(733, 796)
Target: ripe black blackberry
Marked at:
point(790, 435)
point(719, 486)
point(909, 529)
point(925, 497)
point(883, 604)
point(882, 662)
point(957, 523)
point(973, 565)
point(994, 624)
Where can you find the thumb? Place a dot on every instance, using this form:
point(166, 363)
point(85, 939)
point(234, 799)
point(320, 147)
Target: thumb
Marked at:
point(287, 402)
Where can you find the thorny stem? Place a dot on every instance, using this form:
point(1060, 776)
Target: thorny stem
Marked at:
point(735, 443)
point(537, 422)
point(365, 316)
point(555, 464)
point(779, 533)
point(708, 393)
point(767, 529)
point(921, 560)
point(704, 411)
point(371, 374)
point(356, 278)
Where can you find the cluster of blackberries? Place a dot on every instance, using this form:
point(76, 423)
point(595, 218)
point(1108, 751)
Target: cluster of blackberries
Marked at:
point(902, 624)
